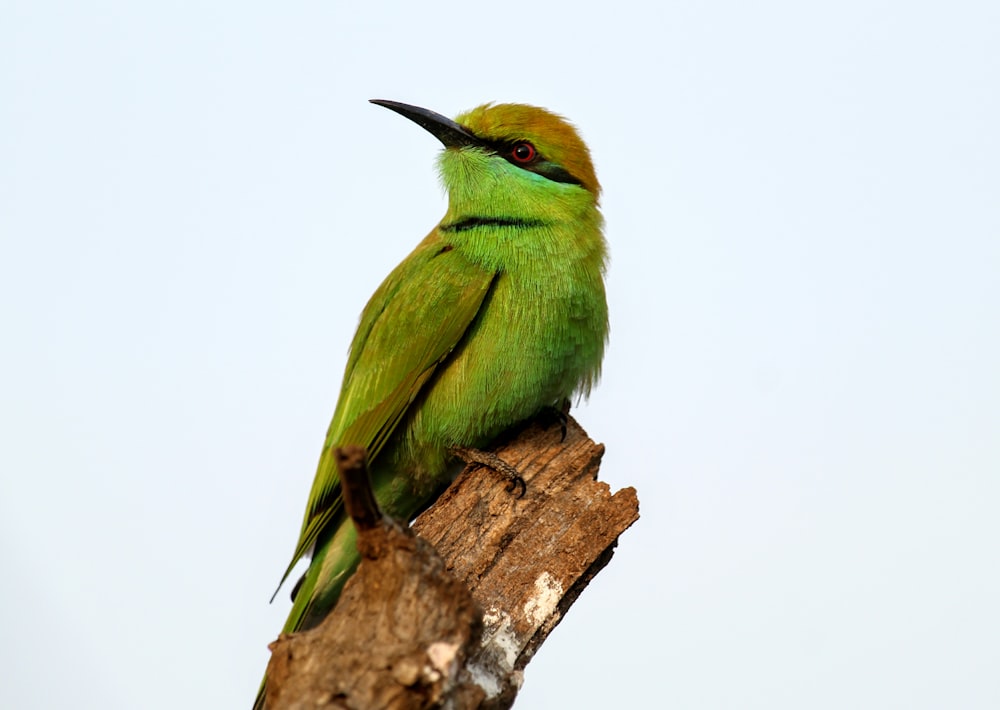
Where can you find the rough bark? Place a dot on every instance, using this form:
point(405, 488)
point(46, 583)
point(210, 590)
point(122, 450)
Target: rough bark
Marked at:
point(447, 614)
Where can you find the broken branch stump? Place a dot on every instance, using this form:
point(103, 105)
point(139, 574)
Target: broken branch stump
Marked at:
point(448, 613)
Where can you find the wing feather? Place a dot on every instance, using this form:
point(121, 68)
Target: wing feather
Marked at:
point(411, 323)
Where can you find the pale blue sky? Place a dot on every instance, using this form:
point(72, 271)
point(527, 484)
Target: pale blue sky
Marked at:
point(803, 384)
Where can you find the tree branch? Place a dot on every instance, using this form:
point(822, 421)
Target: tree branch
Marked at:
point(448, 614)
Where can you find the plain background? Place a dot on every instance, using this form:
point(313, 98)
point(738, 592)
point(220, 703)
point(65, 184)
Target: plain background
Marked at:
point(196, 200)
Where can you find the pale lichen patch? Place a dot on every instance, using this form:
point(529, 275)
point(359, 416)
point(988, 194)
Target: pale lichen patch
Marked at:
point(500, 638)
point(499, 651)
point(543, 603)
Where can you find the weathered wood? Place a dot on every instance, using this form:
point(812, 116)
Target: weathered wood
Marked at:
point(449, 613)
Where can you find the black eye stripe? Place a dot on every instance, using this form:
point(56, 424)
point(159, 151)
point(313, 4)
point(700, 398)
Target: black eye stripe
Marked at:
point(556, 173)
point(538, 164)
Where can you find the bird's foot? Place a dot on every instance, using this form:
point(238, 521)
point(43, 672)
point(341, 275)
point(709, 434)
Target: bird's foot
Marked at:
point(551, 414)
point(491, 460)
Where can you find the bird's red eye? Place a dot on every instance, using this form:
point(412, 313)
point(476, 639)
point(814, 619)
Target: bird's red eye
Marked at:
point(523, 152)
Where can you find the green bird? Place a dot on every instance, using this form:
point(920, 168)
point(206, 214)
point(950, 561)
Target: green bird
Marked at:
point(498, 314)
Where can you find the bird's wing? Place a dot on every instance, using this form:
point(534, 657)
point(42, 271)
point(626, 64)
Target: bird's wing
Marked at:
point(411, 323)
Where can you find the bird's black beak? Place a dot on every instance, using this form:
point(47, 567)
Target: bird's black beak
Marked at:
point(443, 128)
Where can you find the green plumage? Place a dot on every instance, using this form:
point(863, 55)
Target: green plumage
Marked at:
point(499, 312)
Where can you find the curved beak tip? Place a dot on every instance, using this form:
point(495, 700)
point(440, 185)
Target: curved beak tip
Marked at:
point(451, 134)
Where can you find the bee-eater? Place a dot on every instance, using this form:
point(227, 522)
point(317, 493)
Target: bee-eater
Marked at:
point(498, 314)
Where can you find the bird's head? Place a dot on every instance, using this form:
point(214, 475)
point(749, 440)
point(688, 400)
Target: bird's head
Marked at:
point(509, 160)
